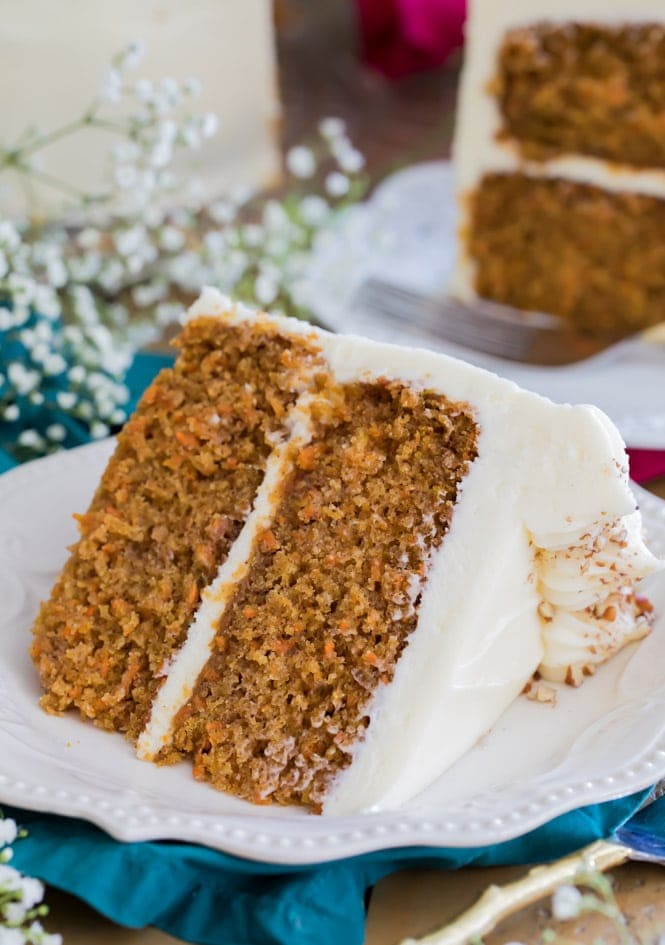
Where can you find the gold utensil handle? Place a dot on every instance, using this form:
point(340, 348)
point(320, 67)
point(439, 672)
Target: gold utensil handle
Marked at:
point(499, 902)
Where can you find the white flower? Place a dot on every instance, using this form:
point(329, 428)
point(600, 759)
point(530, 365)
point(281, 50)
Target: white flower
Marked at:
point(29, 438)
point(170, 89)
point(300, 162)
point(209, 125)
point(56, 273)
point(566, 902)
point(11, 937)
point(331, 128)
point(133, 55)
point(10, 414)
point(252, 234)
point(165, 313)
point(144, 90)
point(314, 210)
point(110, 88)
point(148, 294)
point(191, 136)
point(22, 379)
point(8, 831)
point(111, 276)
point(56, 432)
point(14, 913)
point(9, 235)
point(89, 237)
point(350, 159)
point(46, 303)
point(266, 289)
point(76, 374)
point(10, 879)
point(126, 176)
point(123, 152)
point(65, 399)
point(222, 211)
point(192, 86)
point(22, 288)
point(54, 364)
point(161, 154)
point(99, 430)
point(215, 242)
point(337, 184)
point(274, 215)
point(130, 240)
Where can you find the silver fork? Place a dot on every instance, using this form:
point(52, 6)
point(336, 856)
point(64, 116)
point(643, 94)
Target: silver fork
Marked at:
point(499, 330)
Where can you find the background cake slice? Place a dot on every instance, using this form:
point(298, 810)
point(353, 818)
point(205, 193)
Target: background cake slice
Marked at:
point(370, 551)
point(560, 160)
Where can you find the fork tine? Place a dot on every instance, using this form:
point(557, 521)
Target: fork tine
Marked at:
point(486, 326)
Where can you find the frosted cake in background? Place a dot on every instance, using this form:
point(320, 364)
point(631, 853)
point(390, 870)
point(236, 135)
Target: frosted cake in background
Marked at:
point(560, 160)
point(320, 567)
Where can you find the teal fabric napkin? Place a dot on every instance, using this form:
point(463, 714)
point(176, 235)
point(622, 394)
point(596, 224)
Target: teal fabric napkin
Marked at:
point(212, 898)
point(209, 897)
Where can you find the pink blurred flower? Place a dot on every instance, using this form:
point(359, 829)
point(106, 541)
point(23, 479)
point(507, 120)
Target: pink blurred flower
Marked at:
point(403, 36)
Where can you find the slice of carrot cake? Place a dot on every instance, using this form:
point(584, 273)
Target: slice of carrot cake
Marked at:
point(321, 567)
point(560, 160)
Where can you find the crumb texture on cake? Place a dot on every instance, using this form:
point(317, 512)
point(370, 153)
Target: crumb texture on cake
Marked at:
point(596, 258)
point(319, 568)
point(170, 505)
point(331, 594)
point(584, 88)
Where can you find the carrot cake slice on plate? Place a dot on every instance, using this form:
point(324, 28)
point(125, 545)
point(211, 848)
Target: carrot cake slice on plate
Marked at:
point(321, 567)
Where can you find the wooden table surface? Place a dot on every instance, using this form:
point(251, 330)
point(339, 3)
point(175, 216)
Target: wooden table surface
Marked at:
point(393, 124)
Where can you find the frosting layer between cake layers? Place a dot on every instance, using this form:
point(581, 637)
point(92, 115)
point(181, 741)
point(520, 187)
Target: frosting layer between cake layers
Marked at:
point(543, 542)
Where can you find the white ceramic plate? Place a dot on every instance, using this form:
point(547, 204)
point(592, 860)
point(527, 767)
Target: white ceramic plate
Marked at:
point(599, 742)
point(405, 234)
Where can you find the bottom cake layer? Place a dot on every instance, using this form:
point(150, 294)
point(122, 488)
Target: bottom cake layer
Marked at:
point(595, 257)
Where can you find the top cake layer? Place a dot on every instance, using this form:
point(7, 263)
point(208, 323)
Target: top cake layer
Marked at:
point(570, 92)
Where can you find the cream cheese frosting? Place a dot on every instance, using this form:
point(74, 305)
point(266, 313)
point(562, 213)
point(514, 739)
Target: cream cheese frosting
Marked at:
point(544, 541)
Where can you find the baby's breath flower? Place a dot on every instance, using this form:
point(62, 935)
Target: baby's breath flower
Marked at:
point(56, 432)
point(99, 430)
point(11, 413)
point(30, 438)
point(331, 128)
point(566, 902)
point(8, 831)
point(336, 184)
point(132, 56)
point(192, 86)
point(266, 289)
point(314, 210)
point(110, 89)
point(300, 162)
point(14, 913)
point(11, 937)
point(350, 159)
point(252, 234)
point(144, 90)
point(209, 125)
